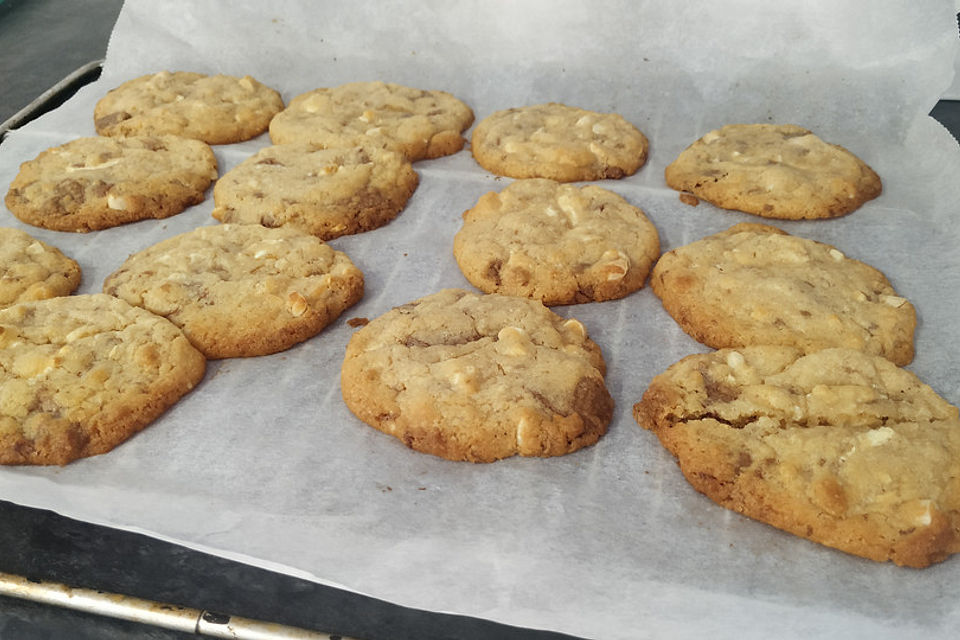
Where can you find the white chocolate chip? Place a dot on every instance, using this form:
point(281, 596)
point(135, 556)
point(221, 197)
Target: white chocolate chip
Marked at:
point(571, 205)
point(296, 304)
point(102, 165)
point(513, 341)
point(117, 203)
point(925, 518)
point(617, 262)
point(893, 301)
point(735, 359)
point(710, 137)
point(247, 83)
point(76, 334)
point(836, 255)
point(523, 432)
point(575, 326)
point(877, 437)
point(35, 249)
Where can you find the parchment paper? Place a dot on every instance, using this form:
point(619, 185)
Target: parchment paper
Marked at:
point(263, 463)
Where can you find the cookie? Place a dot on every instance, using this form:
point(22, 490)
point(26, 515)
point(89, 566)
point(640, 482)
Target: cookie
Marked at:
point(839, 446)
point(559, 142)
point(557, 243)
point(96, 183)
point(324, 192)
point(81, 374)
point(33, 270)
point(754, 284)
point(419, 124)
point(774, 171)
point(478, 377)
point(215, 109)
point(240, 290)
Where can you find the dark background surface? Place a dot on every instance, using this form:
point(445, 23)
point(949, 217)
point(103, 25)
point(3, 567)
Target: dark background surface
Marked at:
point(41, 42)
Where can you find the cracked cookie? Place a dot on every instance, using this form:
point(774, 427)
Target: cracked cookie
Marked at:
point(839, 447)
point(556, 243)
point(754, 284)
point(240, 290)
point(33, 270)
point(774, 171)
point(419, 124)
point(81, 374)
point(216, 109)
point(96, 183)
point(558, 142)
point(478, 378)
point(324, 192)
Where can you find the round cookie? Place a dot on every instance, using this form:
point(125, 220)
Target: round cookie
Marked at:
point(419, 124)
point(33, 270)
point(215, 109)
point(96, 183)
point(559, 142)
point(774, 171)
point(240, 290)
point(478, 377)
point(324, 192)
point(557, 243)
point(839, 446)
point(81, 374)
point(755, 284)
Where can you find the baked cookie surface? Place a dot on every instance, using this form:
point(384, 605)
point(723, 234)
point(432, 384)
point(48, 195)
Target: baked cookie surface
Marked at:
point(81, 374)
point(240, 290)
point(556, 243)
point(839, 447)
point(774, 171)
point(478, 377)
point(558, 142)
point(33, 270)
point(216, 109)
point(754, 284)
point(96, 183)
point(419, 124)
point(324, 192)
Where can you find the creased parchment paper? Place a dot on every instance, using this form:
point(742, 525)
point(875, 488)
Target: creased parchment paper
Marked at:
point(263, 463)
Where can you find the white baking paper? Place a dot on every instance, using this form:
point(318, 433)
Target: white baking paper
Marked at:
point(263, 463)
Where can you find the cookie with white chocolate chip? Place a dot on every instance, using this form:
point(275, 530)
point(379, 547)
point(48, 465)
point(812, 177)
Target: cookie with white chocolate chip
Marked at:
point(559, 142)
point(755, 284)
point(96, 183)
point(81, 374)
point(324, 192)
point(773, 171)
point(420, 124)
point(241, 290)
point(33, 270)
point(557, 243)
point(478, 378)
point(839, 447)
point(217, 109)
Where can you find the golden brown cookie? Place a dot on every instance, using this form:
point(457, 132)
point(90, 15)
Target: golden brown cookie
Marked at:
point(240, 290)
point(419, 124)
point(556, 243)
point(324, 192)
point(81, 374)
point(478, 377)
point(558, 142)
point(33, 270)
point(838, 446)
point(96, 183)
point(754, 284)
point(774, 171)
point(216, 109)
